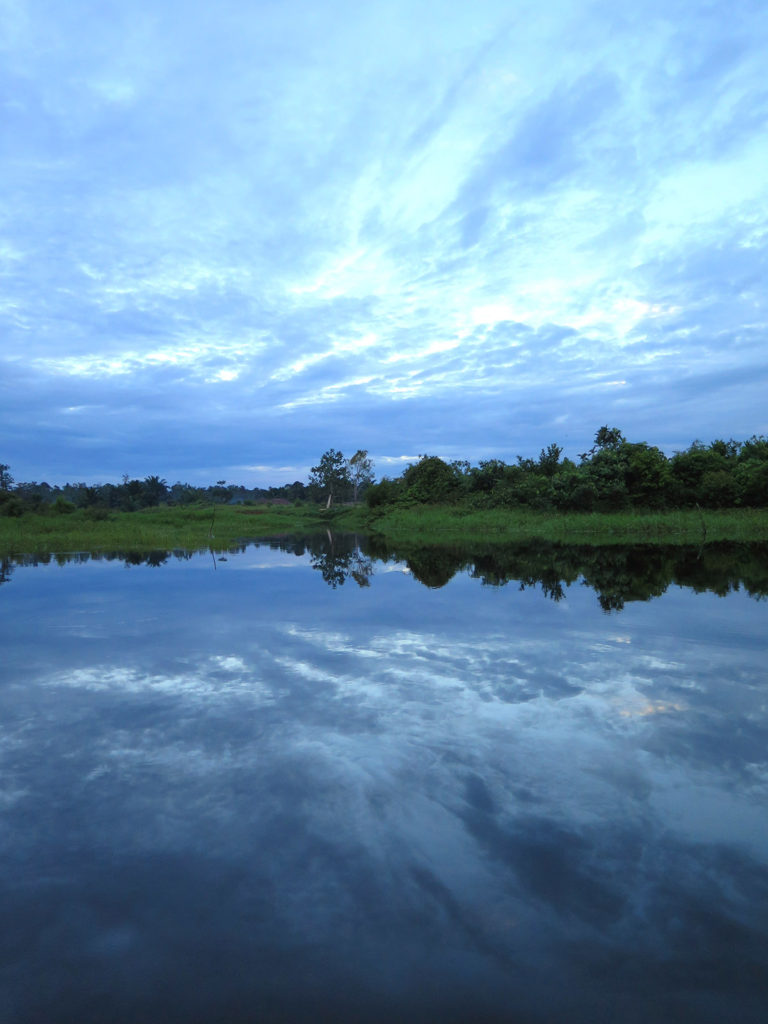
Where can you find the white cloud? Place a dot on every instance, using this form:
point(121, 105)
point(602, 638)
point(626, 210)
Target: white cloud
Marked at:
point(294, 210)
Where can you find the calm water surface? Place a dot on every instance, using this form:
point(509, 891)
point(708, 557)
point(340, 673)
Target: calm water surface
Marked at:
point(231, 792)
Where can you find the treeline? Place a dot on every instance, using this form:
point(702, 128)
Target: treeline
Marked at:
point(132, 495)
point(614, 475)
point(335, 478)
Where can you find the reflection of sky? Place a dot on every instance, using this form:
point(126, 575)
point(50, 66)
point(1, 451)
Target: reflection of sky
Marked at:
point(262, 791)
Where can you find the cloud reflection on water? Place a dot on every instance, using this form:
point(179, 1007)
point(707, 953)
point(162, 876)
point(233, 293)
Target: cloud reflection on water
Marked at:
point(396, 801)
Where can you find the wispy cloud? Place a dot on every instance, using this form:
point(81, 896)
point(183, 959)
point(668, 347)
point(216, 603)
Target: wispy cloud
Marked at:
point(247, 215)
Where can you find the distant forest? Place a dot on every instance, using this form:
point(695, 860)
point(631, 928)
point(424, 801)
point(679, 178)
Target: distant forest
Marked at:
point(132, 495)
point(613, 475)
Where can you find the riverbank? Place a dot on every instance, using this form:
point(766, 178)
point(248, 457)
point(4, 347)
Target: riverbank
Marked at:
point(163, 528)
point(201, 526)
point(445, 525)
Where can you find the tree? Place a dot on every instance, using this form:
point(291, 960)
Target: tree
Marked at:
point(485, 476)
point(609, 437)
point(153, 491)
point(647, 474)
point(606, 439)
point(431, 481)
point(752, 471)
point(6, 480)
point(220, 493)
point(360, 471)
point(331, 475)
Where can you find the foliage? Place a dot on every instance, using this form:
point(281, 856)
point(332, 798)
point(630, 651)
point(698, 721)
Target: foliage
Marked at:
point(331, 476)
point(10, 504)
point(132, 495)
point(360, 472)
point(431, 481)
point(336, 479)
point(614, 476)
point(62, 507)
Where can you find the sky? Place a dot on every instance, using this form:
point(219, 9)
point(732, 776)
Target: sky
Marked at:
point(235, 235)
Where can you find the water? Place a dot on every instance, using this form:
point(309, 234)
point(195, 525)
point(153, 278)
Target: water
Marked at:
point(233, 792)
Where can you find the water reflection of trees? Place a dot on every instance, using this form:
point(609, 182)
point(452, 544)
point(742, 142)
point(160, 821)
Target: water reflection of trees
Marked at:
point(623, 573)
point(337, 556)
point(618, 574)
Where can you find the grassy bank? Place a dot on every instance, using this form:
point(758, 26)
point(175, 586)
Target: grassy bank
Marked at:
point(195, 527)
point(437, 525)
point(152, 529)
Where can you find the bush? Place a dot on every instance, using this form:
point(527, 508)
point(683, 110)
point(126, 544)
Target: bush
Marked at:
point(62, 507)
point(384, 493)
point(12, 506)
point(431, 481)
point(96, 515)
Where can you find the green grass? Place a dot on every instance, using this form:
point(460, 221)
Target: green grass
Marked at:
point(439, 525)
point(153, 529)
point(197, 527)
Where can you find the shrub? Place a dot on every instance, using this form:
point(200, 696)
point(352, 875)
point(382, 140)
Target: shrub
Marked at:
point(12, 506)
point(431, 481)
point(62, 507)
point(384, 493)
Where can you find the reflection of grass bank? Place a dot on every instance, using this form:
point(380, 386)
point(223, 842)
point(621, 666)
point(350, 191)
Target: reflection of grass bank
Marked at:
point(437, 525)
point(195, 527)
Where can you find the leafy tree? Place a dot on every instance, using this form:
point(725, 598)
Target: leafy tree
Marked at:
point(532, 488)
point(130, 494)
point(331, 475)
point(360, 471)
point(294, 491)
point(485, 476)
point(153, 491)
point(573, 492)
point(431, 481)
point(647, 474)
point(605, 438)
point(6, 480)
point(220, 493)
point(609, 437)
point(696, 475)
point(719, 489)
point(11, 505)
point(386, 492)
point(184, 494)
point(751, 472)
point(549, 459)
point(62, 507)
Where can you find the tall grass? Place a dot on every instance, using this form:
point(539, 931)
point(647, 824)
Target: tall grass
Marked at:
point(445, 525)
point(150, 529)
point(199, 526)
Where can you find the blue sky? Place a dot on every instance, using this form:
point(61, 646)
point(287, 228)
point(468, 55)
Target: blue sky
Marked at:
point(233, 235)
